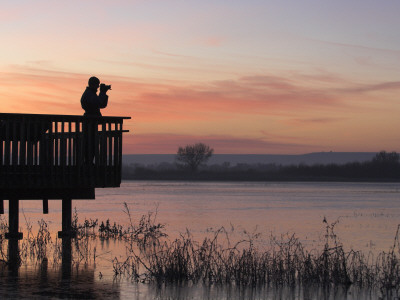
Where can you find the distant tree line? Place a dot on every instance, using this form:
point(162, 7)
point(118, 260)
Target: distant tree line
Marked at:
point(385, 166)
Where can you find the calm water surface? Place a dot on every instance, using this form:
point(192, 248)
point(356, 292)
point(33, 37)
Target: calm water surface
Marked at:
point(367, 215)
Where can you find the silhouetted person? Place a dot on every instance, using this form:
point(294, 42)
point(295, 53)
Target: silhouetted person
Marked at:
point(92, 103)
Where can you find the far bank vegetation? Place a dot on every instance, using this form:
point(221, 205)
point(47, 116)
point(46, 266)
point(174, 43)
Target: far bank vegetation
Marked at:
point(385, 166)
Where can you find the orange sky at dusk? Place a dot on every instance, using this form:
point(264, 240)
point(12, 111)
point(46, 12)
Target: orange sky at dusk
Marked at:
point(248, 77)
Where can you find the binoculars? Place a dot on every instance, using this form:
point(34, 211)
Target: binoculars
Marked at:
point(105, 87)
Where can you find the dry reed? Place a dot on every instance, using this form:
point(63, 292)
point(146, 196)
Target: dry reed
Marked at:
point(152, 257)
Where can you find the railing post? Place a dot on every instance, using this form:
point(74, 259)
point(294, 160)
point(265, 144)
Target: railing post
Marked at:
point(96, 141)
point(116, 152)
point(7, 144)
point(120, 152)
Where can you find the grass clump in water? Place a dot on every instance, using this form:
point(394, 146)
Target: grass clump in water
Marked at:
point(285, 262)
point(152, 257)
point(35, 245)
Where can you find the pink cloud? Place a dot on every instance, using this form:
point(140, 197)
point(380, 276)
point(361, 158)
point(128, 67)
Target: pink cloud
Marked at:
point(357, 47)
point(250, 95)
point(159, 143)
point(214, 41)
point(372, 87)
point(260, 95)
point(317, 121)
point(154, 106)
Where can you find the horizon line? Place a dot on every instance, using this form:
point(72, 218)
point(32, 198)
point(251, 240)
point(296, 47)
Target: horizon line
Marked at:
point(263, 153)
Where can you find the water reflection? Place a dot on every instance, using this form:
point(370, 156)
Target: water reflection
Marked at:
point(71, 280)
point(53, 284)
point(371, 213)
point(13, 255)
point(66, 258)
point(232, 292)
point(56, 282)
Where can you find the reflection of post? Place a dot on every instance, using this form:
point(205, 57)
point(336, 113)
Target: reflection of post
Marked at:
point(13, 265)
point(66, 234)
point(66, 258)
point(13, 255)
point(13, 235)
point(43, 274)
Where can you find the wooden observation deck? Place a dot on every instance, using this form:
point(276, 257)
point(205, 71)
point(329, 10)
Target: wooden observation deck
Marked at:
point(57, 157)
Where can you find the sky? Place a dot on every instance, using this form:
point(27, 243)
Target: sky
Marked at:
point(245, 77)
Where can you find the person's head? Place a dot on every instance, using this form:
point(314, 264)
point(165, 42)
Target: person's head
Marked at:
point(94, 83)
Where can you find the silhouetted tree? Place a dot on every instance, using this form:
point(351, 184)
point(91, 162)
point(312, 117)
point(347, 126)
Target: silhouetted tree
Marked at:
point(387, 158)
point(192, 156)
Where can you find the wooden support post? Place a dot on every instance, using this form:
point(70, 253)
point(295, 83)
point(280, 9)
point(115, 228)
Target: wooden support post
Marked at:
point(66, 219)
point(13, 217)
point(14, 258)
point(1, 207)
point(45, 206)
point(66, 214)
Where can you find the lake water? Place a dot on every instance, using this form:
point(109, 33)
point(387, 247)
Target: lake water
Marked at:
point(367, 213)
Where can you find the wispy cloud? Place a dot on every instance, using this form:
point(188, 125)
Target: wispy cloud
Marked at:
point(252, 95)
point(357, 47)
point(315, 121)
point(277, 112)
point(372, 87)
point(169, 54)
point(168, 143)
point(213, 41)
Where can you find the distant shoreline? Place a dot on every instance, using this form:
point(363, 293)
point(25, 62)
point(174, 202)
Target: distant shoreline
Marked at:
point(382, 167)
point(202, 177)
point(279, 159)
point(269, 180)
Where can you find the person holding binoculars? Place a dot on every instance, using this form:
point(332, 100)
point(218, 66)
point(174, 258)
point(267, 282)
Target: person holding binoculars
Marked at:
point(90, 101)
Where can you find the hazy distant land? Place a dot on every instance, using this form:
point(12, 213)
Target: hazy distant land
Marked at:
point(279, 159)
point(322, 166)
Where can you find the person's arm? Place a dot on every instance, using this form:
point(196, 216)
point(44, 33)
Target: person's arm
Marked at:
point(91, 100)
point(102, 100)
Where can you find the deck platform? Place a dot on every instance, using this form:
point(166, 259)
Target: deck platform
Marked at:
point(57, 157)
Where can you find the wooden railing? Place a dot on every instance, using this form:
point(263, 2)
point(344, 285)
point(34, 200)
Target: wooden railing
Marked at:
point(60, 151)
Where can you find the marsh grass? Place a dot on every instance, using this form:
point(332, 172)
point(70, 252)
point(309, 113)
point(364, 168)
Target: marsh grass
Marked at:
point(152, 257)
point(3, 230)
point(144, 234)
point(215, 260)
point(35, 245)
